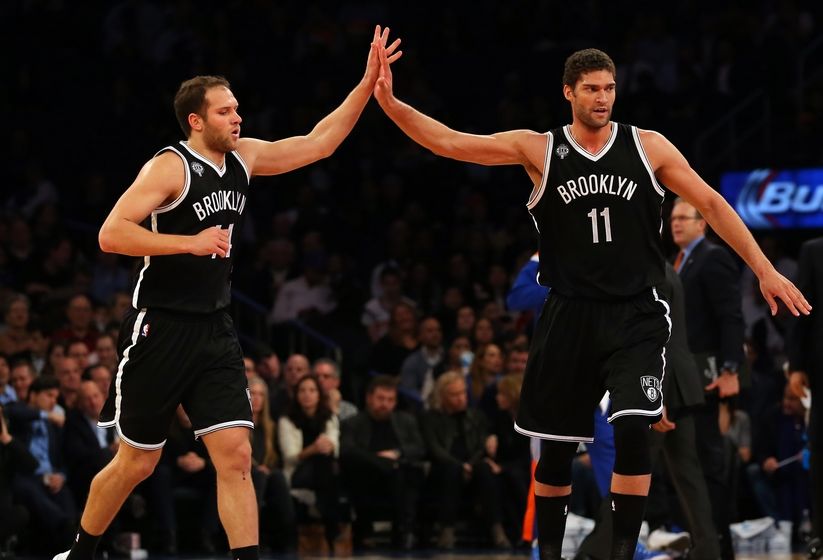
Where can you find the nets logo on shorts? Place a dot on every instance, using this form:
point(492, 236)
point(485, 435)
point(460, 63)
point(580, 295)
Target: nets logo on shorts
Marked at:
point(651, 387)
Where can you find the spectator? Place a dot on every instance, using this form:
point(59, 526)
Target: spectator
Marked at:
point(297, 367)
point(80, 324)
point(306, 296)
point(485, 370)
point(328, 372)
point(389, 353)
point(184, 473)
point(277, 519)
point(7, 392)
point(44, 492)
point(56, 352)
point(38, 355)
point(15, 461)
point(16, 338)
point(22, 375)
point(79, 351)
point(381, 456)
point(87, 447)
point(456, 437)
point(377, 311)
point(483, 332)
point(101, 375)
point(69, 376)
point(418, 372)
point(309, 437)
point(460, 355)
point(106, 352)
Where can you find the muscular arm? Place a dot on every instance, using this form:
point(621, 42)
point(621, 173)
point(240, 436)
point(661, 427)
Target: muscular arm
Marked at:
point(523, 147)
point(672, 169)
point(160, 182)
point(273, 158)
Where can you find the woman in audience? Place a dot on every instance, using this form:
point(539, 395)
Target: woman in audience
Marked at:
point(309, 436)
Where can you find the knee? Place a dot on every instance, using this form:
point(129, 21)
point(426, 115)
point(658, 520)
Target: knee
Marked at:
point(136, 467)
point(234, 458)
point(555, 465)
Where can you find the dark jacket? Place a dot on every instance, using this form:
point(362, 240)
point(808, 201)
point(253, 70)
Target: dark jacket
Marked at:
point(440, 430)
point(23, 431)
point(714, 320)
point(356, 432)
point(806, 340)
point(682, 384)
point(84, 456)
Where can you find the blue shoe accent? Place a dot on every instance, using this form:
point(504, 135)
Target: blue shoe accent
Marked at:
point(642, 553)
point(535, 550)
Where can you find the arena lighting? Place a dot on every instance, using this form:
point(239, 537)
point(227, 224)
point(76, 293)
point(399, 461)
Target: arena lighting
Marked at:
point(776, 198)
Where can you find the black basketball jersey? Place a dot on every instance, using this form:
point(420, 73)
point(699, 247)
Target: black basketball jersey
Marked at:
point(211, 197)
point(599, 217)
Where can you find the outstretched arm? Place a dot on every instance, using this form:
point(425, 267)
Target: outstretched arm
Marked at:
point(273, 158)
point(672, 169)
point(504, 148)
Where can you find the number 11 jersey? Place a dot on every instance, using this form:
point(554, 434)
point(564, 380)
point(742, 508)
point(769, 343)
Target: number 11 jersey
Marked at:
point(598, 217)
point(211, 197)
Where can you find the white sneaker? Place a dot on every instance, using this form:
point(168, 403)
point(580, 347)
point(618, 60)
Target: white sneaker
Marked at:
point(578, 523)
point(751, 527)
point(780, 538)
point(62, 555)
point(660, 539)
point(644, 533)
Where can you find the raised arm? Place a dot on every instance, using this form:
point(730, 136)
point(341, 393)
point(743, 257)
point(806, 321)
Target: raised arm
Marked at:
point(273, 158)
point(672, 169)
point(160, 182)
point(523, 147)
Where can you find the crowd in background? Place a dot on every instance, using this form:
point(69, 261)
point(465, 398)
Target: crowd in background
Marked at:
point(402, 260)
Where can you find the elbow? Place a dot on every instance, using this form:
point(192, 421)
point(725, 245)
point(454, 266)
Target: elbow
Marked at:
point(106, 240)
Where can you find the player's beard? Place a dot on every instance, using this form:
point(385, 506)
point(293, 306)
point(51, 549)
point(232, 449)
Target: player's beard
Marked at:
point(218, 143)
point(588, 120)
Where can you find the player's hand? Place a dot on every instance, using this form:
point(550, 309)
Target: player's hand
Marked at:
point(386, 55)
point(379, 41)
point(727, 384)
point(664, 425)
point(798, 382)
point(210, 241)
point(775, 285)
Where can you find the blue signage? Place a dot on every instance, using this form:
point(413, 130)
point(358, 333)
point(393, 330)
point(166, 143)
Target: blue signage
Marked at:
point(776, 199)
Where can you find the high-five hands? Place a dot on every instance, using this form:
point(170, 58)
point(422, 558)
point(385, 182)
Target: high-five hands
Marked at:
point(386, 55)
point(380, 54)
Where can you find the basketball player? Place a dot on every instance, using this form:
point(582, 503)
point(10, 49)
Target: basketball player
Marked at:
point(178, 343)
point(596, 205)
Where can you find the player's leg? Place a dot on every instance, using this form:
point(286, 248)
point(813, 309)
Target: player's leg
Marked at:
point(630, 483)
point(552, 491)
point(108, 491)
point(230, 452)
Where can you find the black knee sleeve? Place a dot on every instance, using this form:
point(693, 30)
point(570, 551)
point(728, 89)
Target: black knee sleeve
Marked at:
point(631, 446)
point(555, 465)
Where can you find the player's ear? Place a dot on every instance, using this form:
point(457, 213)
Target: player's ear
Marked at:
point(196, 122)
point(568, 92)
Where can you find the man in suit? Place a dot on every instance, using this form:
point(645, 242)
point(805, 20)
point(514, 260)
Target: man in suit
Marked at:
point(714, 328)
point(44, 492)
point(381, 454)
point(806, 367)
point(87, 447)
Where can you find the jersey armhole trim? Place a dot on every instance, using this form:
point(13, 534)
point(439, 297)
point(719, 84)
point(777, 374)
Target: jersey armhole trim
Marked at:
point(645, 159)
point(537, 192)
point(186, 183)
point(243, 164)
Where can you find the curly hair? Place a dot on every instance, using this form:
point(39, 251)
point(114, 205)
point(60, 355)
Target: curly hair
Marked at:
point(587, 60)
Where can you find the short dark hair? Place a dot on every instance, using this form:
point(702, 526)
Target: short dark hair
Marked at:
point(44, 383)
point(381, 382)
point(191, 98)
point(587, 60)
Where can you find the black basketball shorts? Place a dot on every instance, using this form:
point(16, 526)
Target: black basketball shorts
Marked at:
point(581, 349)
point(168, 359)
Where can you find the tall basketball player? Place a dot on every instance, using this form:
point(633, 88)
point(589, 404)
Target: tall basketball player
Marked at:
point(177, 343)
point(596, 203)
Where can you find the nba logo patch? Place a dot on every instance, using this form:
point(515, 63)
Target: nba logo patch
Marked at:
point(145, 331)
point(650, 386)
point(562, 151)
point(198, 168)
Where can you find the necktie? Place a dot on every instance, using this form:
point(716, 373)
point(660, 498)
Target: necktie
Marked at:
point(679, 260)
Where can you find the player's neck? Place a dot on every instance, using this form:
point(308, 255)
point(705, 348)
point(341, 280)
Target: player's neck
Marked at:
point(217, 157)
point(591, 139)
